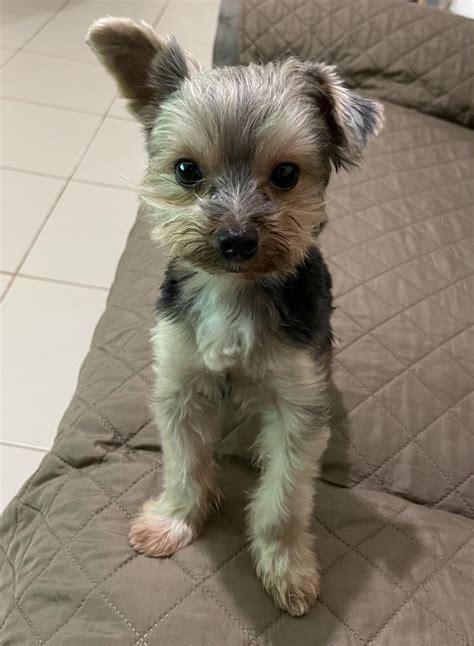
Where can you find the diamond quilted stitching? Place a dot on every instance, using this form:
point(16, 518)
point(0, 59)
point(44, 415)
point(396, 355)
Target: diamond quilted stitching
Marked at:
point(320, 621)
point(403, 339)
point(219, 541)
point(238, 589)
point(70, 586)
point(329, 551)
point(47, 483)
point(411, 61)
point(433, 595)
point(219, 629)
point(447, 442)
point(410, 402)
point(390, 216)
point(63, 516)
point(370, 363)
point(466, 492)
point(354, 228)
point(423, 314)
point(390, 248)
point(7, 581)
point(147, 484)
point(365, 307)
point(400, 555)
point(453, 261)
point(103, 544)
point(120, 407)
point(94, 612)
point(342, 282)
point(144, 579)
point(453, 500)
point(345, 329)
point(400, 291)
point(439, 535)
point(363, 265)
point(332, 242)
point(18, 629)
point(350, 390)
point(463, 561)
point(456, 299)
point(33, 561)
point(111, 474)
point(410, 619)
point(424, 274)
point(360, 521)
point(372, 417)
point(464, 411)
point(350, 596)
point(444, 377)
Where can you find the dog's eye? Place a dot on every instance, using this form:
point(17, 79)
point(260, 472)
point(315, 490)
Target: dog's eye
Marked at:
point(285, 175)
point(187, 173)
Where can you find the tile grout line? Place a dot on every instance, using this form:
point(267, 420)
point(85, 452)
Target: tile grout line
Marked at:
point(69, 59)
point(10, 280)
point(69, 178)
point(20, 445)
point(12, 53)
point(28, 40)
point(55, 203)
point(54, 106)
point(26, 171)
point(60, 281)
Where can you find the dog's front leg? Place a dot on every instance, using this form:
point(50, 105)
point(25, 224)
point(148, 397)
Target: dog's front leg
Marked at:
point(187, 419)
point(293, 437)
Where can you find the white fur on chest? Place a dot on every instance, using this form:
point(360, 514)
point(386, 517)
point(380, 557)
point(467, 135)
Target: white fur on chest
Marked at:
point(225, 325)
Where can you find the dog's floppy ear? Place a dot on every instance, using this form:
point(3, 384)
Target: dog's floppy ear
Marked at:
point(147, 68)
point(350, 118)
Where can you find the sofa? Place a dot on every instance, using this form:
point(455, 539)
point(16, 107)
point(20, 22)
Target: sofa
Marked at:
point(394, 509)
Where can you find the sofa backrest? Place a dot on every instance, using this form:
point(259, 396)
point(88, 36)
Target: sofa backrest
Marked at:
point(396, 50)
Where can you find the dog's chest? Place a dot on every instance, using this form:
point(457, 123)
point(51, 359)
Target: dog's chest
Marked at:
point(228, 327)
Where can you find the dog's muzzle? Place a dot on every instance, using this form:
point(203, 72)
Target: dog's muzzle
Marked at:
point(237, 245)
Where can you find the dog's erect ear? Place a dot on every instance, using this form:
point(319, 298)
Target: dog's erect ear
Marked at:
point(146, 67)
point(351, 119)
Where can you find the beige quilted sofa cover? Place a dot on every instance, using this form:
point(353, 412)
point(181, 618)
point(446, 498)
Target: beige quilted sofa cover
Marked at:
point(394, 518)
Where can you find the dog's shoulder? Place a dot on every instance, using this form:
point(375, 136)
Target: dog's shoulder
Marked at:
point(304, 302)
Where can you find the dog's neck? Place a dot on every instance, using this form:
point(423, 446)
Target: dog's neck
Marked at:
point(236, 322)
point(230, 316)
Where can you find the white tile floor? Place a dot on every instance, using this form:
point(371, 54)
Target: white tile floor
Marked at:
point(69, 156)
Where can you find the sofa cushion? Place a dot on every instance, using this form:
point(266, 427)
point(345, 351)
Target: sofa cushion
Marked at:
point(393, 571)
point(398, 51)
point(398, 246)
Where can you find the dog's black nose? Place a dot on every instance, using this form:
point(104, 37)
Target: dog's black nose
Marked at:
point(238, 244)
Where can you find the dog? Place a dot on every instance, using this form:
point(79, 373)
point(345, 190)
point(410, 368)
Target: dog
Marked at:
point(239, 162)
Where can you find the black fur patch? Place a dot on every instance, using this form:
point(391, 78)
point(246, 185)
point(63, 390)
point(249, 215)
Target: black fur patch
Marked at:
point(169, 304)
point(304, 302)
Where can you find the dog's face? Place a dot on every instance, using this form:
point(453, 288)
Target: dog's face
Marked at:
point(239, 158)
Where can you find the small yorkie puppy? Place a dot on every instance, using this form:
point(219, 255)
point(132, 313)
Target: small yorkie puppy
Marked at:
point(239, 161)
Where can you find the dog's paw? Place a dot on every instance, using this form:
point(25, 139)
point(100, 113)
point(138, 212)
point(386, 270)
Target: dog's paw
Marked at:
point(294, 595)
point(294, 587)
point(154, 535)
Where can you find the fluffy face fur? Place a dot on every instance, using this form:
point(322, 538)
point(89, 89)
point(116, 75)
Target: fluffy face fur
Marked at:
point(237, 124)
point(251, 336)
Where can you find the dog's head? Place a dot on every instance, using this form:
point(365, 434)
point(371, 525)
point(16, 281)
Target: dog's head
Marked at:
point(239, 157)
